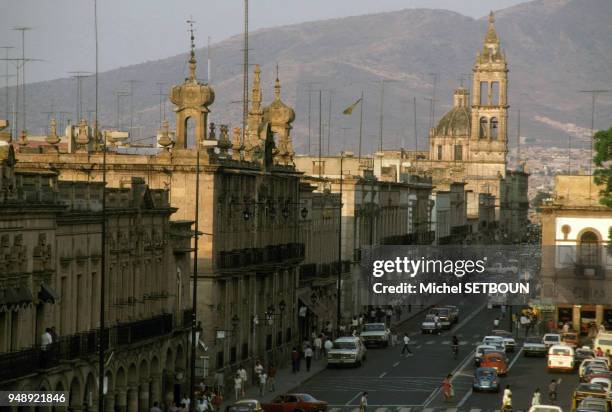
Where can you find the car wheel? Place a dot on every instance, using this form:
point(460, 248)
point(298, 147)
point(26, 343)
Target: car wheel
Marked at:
point(358, 364)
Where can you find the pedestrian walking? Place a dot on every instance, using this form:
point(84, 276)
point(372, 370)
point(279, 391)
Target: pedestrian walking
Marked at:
point(243, 375)
point(329, 345)
point(308, 353)
point(237, 386)
point(496, 323)
point(263, 379)
point(405, 347)
point(295, 360)
point(155, 407)
point(219, 382)
point(536, 399)
point(363, 402)
point(552, 390)
point(507, 400)
point(599, 352)
point(258, 368)
point(272, 377)
point(447, 388)
point(318, 345)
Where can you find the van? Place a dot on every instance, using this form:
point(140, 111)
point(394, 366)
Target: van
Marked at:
point(603, 341)
point(561, 357)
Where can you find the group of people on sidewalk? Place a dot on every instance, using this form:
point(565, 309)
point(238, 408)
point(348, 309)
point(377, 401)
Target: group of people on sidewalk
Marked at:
point(264, 378)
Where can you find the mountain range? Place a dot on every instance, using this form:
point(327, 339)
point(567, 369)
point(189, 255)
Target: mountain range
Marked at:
point(554, 48)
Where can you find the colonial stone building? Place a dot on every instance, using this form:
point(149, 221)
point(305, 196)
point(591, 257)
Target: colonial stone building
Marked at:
point(50, 257)
point(576, 264)
point(249, 213)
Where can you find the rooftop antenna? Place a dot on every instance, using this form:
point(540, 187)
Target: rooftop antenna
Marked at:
point(23, 30)
point(119, 94)
point(162, 104)
point(433, 100)
point(309, 90)
point(208, 59)
point(131, 82)
point(382, 103)
point(6, 84)
point(416, 138)
point(79, 76)
point(594, 93)
point(329, 120)
point(245, 69)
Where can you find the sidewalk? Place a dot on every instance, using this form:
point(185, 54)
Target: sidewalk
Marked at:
point(286, 381)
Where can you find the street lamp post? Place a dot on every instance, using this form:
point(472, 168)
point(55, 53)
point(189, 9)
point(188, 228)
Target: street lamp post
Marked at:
point(339, 280)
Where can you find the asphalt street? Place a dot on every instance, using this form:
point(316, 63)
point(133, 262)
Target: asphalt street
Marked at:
point(407, 384)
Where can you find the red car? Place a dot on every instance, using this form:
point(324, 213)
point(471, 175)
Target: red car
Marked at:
point(292, 402)
point(495, 360)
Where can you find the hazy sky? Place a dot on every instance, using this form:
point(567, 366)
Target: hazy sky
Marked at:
point(134, 31)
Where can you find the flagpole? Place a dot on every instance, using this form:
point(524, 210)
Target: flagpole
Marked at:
point(360, 125)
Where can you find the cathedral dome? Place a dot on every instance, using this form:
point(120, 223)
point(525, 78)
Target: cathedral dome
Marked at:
point(278, 112)
point(458, 120)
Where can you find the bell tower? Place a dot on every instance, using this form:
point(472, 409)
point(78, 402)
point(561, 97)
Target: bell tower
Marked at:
point(191, 99)
point(488, 136)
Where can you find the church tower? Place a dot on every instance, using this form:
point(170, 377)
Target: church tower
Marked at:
point(488, 136)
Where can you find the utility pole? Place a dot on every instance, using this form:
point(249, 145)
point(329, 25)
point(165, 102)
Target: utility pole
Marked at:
point(245, 71)
point(309, 111)
point(320, 130)
point(569, 153)
point(339, 280)
point(361, 123)
point(329, 117)
point(131, 82)
point(23, 73)
point(416, 138)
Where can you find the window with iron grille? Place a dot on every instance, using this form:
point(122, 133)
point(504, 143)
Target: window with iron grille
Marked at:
point(232, 355)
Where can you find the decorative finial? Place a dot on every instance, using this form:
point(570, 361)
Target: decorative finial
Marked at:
point(192, 59)
point(52, 137)
point(23, 139)
point(491, 17)
point(277, 86)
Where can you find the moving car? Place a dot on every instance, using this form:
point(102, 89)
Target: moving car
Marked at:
point(349, 350)
point(245, 405)
point(570, 339)
point(481, 350)
point(534, 347)
point(586, 390)
point(551, 339)
point(293, 402)
point(545, 408)
point(590, 362)
point(375, 334)
point(509, 342)
point(454, 312)
point(485, 379)
point(496, 361)
point(583, 353)
point(429, 325)
point(561, 357)
point(604, 383)
point(496, 341)
point(591, 404)
point(603, 340)
point(444, 316)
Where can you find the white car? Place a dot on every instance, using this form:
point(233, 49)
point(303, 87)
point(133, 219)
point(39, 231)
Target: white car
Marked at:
point(375, 334)
point(348, 350)
point(545, 408)
point(496, 341)
point(551, 339)
point(589, 362)
point(509, 342)
point(604, 383)
point(561, 357)
point(429, 325)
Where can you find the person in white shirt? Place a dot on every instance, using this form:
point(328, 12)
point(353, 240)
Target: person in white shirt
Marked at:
point(507, 399)
point(243, 375)
point(185, 401)
point(405, 348)
point(537, 398)
point(496, 323)
point(328, 345)
point(263, 379)
point(363, 402)
point(46, 339)
point(308, 356)
point(238, 385)
point(258, 368)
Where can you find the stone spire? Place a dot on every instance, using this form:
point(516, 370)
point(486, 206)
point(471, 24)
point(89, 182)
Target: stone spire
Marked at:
point(256, 91)
point(52, 137)
point(491, 36)
point(192, 59)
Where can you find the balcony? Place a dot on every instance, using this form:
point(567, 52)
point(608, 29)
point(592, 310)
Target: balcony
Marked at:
point(14, 365)
point(590, 271)
point(271, 254)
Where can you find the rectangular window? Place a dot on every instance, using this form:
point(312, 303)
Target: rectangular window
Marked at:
point(484, 93)
point(318, 168)
point(439, 154)
point(495, 93)
point(458, 152)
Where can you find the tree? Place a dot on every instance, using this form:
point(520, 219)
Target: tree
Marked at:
point(603, 164)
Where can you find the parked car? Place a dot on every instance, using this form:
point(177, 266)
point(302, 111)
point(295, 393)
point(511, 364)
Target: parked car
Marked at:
point(429, 325)
point(509, 342)
point(605, 383)
point(293, 402)
point(586, 390)
point(561, 357)
point(603, 340)
point(594, 371)
point(485, 379)
point(570, 339)
point(495, 360)
point(480, 351)
point(245, 405)
point(534, 347)
point(551, 339)
point(375, 334)
point(347, 351)
point(591, 404)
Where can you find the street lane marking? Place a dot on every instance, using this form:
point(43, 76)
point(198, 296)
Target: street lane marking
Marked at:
point(352, 399)
point(475, 410)
point(395, 364)
point(446, 342)
point(465, 398)
point(419, 347)
point(430, 342)
point(403, 410)
point(382, 375)
point(463, 342)
point(515, 358)
point(469, 318)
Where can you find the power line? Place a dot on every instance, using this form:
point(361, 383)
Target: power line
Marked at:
point(162, 104)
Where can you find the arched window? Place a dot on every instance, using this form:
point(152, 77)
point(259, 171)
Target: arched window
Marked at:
point(190, 136)
point(482, 133)
point(439, 152)
point(484, 93)
point(494, 128)
point(588, 249)
point(495, 93)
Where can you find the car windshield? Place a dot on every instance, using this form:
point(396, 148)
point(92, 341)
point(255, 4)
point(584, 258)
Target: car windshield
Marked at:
point(308, 398)
point(373, 328)
point(570, 336)
point(560, 351)
point(492, 359)
point(533, 340)
point(430, 318)
point(486, 373)
point(344, 345)
point(552, 338)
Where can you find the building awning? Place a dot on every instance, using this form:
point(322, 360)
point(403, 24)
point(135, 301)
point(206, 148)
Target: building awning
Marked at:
point(47, 294)
point(15, 297)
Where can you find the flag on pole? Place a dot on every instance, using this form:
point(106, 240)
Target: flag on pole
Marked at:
point(349, 110)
